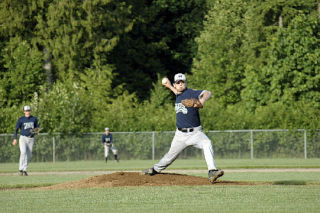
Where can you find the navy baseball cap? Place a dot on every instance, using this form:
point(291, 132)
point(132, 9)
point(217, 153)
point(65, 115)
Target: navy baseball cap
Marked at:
point(180, 77)
point(27, 108)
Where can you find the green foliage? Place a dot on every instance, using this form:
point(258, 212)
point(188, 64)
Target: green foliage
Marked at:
point(83, 40)
point(96, 89)
point(120, 114)
point(63, 109)
point(9, 117)
point(218, 65)
point(126, 113)
point(78, 32)
point(286, 89)
point(299, 115)
point(161, 42)
point(252, 54)
point(294, 62)
point(158, 113)
point(18, 18)
point(259, 58)
point(24, 73)
point(263, 43)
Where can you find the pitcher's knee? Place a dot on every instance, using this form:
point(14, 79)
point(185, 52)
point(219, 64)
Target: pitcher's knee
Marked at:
point(207, 142)
point(207, 145)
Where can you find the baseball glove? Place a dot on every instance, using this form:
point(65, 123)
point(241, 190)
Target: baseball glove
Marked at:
point(192, 102)
point(35, 131)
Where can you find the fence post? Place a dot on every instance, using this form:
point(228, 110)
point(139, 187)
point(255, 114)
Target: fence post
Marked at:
point(53, 149)
point(153, 145)
point(251, 144)
point(305, 144)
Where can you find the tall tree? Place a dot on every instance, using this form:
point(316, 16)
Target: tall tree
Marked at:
point(63, 109)
point(23, 75)
point(18, 18)
point(161, 42)
point(21, 71)
point(96, 88)
point(78, 32)
point(294, 62)
point(263, 20)
point(219, 64)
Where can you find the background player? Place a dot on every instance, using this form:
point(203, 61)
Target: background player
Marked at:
point(26, 140)
point(189, 131)
point(108, 144)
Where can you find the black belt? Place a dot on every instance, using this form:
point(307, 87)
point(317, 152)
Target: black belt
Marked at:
point(185, 129)
point(27, 136)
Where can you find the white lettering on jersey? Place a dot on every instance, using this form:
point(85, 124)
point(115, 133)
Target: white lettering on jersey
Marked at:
point(107, 139)
point(180, 108)
point(29, 125)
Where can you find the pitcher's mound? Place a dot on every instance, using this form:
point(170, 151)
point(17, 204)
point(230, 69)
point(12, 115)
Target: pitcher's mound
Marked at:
point(137, 179)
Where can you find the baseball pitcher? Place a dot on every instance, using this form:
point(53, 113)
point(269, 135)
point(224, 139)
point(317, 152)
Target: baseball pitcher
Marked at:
point(29, 127)
point(189, 131)
point(108, 144)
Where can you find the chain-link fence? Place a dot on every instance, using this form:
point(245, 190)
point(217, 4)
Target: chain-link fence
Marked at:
point(241, 144)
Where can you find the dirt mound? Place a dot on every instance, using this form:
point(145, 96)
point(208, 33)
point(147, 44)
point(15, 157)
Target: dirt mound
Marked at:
point(136, 179)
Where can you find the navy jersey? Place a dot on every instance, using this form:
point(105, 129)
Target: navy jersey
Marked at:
point(107, 138)
point(187, 117)
point(25, 124)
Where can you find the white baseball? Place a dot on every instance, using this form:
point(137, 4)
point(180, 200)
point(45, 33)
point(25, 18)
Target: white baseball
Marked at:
point(164, 81)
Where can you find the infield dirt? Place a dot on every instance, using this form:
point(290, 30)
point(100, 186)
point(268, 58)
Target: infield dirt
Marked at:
point(119, 179)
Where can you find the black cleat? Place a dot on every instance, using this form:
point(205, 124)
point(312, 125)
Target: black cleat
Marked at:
point(116, 158)
point(20, 173)
point(150, 172)
point(214, 175)
point(25, 173)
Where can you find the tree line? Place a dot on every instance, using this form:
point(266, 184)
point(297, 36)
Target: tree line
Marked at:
point(84, 65)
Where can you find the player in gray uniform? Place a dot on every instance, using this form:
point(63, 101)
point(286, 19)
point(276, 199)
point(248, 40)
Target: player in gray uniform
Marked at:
point(107, 141)
point(189, 131)
point(25, 123)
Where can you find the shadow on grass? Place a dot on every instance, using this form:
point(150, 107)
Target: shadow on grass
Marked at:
point(290, 182)
point(24, 186)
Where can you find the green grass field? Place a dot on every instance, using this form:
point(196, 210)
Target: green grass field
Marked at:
point(166, 199)
point(18, 194)
point(178, 164)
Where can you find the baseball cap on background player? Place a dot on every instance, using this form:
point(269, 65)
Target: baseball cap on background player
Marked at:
point(179, 77)
point(106, 129)
point(26, 108)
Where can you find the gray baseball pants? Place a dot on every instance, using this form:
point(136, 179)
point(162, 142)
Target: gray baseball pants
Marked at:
point(25, 144)
point(180, 141)
point(108, 147)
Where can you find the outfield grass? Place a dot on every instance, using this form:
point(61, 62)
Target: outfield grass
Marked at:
point(166, 199)
point(178, 164)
